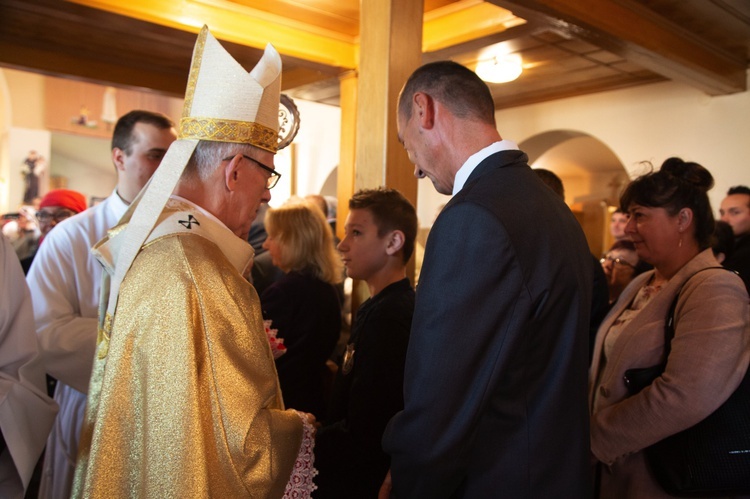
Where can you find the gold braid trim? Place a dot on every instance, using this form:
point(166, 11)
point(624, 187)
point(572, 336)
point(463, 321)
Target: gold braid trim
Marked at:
point(220, 130)
point(102, 337)
point(195, 70)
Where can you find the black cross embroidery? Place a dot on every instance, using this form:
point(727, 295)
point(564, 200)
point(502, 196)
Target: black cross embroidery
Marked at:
point(188, 224)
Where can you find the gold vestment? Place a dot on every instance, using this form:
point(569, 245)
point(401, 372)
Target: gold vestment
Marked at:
point(184, 399)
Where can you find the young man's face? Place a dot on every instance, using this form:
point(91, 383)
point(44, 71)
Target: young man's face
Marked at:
point(363, 251)
point(735, 210)
point(149, 146)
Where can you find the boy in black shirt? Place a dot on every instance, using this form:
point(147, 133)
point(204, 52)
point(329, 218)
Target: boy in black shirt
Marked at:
point(368, 390)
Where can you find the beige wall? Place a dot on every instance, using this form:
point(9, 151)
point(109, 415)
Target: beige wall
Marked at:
point(26, 99)
point(80, 155)
point(652, 123)
point(83, 158)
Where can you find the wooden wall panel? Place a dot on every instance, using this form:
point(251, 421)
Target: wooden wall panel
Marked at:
point(67, 100)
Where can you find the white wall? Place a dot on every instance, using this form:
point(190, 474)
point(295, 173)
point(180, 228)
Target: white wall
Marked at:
point(21, 118)
point(316, 148)
point(5, 125)
point(20, 142)
point(646, 123)
point(652, 122)
point(429, 202)
point(89, 179)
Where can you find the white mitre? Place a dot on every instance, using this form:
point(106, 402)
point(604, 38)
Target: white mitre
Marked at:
point(223, 103)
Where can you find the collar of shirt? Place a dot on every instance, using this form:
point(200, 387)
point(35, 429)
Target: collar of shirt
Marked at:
point(463, 173)
point(117, 205)
point(181, 215)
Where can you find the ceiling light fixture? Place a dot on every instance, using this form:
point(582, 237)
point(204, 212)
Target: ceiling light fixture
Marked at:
point(500, 68)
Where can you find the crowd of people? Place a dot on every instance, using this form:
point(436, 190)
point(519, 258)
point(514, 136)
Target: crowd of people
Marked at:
point(194, 334)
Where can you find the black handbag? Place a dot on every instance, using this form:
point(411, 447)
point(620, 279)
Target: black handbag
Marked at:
point(710, 458)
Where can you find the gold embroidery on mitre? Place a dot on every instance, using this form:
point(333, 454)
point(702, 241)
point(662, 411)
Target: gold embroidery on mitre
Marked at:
point(220, 130)
point(102, 337)
point(195, 70)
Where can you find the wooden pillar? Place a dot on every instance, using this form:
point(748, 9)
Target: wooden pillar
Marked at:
point(345, 173)
point(390, 50)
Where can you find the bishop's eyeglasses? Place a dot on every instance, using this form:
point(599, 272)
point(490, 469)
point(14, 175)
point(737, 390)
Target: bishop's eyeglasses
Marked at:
point(272, 180)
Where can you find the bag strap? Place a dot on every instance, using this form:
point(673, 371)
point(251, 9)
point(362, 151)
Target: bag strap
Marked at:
point(669, 323)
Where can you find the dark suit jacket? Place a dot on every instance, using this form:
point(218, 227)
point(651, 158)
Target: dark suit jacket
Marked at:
point(740, 259)
point(264, 272)
point(496, 371)
point(307, 313)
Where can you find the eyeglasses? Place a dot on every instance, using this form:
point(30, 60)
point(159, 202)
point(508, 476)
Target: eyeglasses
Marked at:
point(272, 180)
point(58, 216)
point(616, 261)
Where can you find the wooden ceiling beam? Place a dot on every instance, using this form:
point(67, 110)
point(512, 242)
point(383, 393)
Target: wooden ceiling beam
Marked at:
point(62, 39)
point(241, 25)
point(478, 44)
point(636, 33)
point(505, 99)
point(62, 64)
point(68, 40)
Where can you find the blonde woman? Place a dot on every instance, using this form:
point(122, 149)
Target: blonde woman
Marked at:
point(304, 304)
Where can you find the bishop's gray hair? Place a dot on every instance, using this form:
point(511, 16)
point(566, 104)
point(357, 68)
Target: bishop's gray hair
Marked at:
point(208, 156)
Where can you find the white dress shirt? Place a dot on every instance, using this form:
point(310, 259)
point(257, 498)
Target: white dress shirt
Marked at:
point(463, 173)
point(64, 280)
point(26, 412)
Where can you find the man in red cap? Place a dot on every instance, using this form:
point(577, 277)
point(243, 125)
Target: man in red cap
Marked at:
point(58, 205)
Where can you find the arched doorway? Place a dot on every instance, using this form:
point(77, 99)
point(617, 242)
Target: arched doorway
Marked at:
point(591, 172)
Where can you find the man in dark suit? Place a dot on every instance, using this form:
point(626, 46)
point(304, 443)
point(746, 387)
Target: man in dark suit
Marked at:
point(496, 370)
point(600, 290)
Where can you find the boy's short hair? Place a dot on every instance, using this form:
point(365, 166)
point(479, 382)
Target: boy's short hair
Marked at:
point(390, 211)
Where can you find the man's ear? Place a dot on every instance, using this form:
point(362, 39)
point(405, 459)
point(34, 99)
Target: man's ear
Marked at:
point(395, 242)
point(424, 110)
point(118, 158)
point(232, 172)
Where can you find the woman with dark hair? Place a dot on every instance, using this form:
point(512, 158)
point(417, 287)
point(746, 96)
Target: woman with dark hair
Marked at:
point(671, 224)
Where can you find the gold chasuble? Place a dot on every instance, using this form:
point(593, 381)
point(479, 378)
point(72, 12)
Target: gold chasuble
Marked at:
point(184, 399)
